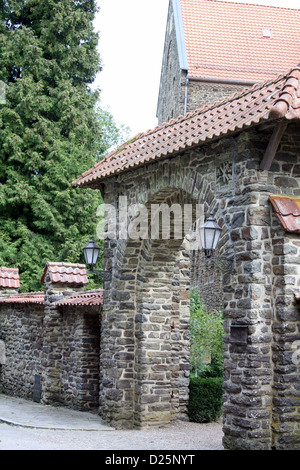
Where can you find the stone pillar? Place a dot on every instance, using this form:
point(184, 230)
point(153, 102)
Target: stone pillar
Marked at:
point(9, 286)
point(9, 282)
point(286, 339)
point(248, 315)
point(61, 280)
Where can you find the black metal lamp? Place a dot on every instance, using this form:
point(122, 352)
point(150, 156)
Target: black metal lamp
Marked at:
point(210, 234)
point(91, 252)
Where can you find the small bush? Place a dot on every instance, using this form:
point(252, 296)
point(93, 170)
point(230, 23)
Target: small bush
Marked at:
point(206, 401)
point(207, 332)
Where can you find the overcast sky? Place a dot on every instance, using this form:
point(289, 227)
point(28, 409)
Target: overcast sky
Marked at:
point(132, 34)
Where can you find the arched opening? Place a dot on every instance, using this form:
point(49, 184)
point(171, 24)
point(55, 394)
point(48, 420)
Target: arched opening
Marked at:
point(162, 321)
point(145, 340)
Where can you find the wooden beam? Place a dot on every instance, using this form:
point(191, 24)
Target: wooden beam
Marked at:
point(278, 132)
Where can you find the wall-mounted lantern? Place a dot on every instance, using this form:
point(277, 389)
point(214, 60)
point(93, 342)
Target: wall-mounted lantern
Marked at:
point(210, 233)
point(91, 252)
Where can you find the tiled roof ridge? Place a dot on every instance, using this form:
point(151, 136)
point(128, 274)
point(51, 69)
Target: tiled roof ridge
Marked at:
point(4, 268)
point(166, 124)
point(229, 99)
point(63, 263)
point(282, 106)
point(82, 299)
point(93, 297)
point(25, 298)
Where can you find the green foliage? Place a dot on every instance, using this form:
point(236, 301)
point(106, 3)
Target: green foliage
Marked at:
point(50, 132)
point(206, 401)
point(206, 338)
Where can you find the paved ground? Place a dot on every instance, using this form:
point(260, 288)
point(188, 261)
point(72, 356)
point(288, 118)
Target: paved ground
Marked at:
point(30, 426)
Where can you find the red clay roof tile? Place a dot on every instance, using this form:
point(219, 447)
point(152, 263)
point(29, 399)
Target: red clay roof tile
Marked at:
point(66, 273)
point(9, 278)
point(274, 98)
point(30, 298)
point(85, 299)
point(288, 211)
point(89, 298)
point(225, 40)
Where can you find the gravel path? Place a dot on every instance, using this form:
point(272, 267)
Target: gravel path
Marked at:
point(178, 436)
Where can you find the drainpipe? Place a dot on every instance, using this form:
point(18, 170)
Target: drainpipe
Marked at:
point(186, 94)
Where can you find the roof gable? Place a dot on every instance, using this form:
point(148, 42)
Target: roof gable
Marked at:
point(239, 41)
point(278, 98)
point(66, 273)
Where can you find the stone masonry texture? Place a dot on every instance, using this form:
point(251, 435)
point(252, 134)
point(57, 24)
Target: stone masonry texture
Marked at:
point(52, 354)
point(138, 347)
point(144, 354)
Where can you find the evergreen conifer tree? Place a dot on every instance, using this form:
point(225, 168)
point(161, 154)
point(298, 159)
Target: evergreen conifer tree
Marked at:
point(49, 132)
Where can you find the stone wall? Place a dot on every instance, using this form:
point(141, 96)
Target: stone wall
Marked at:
point(207, 278)
point(172, 82)
point(179, 93)
point(203, 93)
point(21, 330)
point(146, 307)
point(52, 352)
point(261, 388)
point(81, 357)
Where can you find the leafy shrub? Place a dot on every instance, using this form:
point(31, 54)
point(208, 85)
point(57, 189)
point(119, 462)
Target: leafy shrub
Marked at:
point(205, 403)
point(206, 338)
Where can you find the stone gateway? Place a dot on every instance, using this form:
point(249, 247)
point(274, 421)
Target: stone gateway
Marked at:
point(239, 158)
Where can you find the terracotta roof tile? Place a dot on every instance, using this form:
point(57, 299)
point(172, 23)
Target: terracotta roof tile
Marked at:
point(66, 273)
point(89, 298)
point(278, 97)
point(225, 40)
point(288, 211)
point(30, 298)
point(9, 278)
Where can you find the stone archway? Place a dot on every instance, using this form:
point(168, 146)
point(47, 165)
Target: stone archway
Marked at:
point(145, 328)
point(162, 322)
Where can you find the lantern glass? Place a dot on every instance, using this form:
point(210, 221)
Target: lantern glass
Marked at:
point(210, 234)
point(91, 252)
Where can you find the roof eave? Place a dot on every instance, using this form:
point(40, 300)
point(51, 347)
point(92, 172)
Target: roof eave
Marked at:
point(94, 183)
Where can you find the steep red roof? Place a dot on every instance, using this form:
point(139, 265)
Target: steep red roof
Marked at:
point(288, 211)
point(227, 40)
point(89, 298)
point(66, 273)
point(9, 278)
point(275, 98)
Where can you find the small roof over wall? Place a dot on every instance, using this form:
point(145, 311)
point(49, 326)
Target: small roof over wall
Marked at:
point(278, 98)
point(9, 278)
point(61, 273)
point(89, 298)
point(66, 273)
point(84, 299)
point(30, 298)
point(288, 211)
